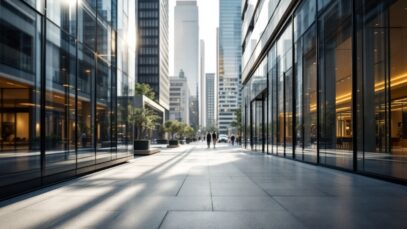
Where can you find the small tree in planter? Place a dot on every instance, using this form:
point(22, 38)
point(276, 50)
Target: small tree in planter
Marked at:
point(172, 127)
point(144, 120)
point(237, 123)
point(162, 135)
point(189, 133)
point(182, 131)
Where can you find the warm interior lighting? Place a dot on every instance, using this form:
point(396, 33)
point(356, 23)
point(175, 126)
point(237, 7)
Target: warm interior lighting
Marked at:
point(58, 97)
point(395, 81)
point(27, 104)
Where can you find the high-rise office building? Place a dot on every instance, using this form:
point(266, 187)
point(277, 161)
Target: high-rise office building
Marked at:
point(194, 112)
point(325, 82)
point(210, 105)
point(153, 50)
point(202, 90)
point(229, 62)
point(60, 82)
point(186, 42)
point(179, 98)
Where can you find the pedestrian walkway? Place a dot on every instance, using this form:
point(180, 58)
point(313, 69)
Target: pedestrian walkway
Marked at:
point(226, 187)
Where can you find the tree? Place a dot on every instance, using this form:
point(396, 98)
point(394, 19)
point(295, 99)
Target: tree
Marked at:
point(143, 120)
point(182, 130)
point(172, 127)
point(237, 123)
point(189, 132)
point(211, 129)
point(145, 89)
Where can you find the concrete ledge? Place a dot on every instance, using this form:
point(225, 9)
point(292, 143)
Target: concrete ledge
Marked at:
point(173, 146)
point(146, 152)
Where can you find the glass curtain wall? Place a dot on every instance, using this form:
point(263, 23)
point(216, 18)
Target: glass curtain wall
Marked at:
point(285, 88)
point(104, 72)
point(335, 84)
point(259, 88)
point(20, 45)
point(85, 112)
point(314, 107)
point(273, 100)
point(382, 74)
point(305, 91)
point(60, 100)
point(124, 82)
point(71, 51)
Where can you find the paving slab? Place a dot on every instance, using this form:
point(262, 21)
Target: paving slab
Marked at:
point(226, 187)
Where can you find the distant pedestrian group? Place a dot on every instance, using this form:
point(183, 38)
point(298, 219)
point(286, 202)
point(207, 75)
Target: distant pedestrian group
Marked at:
point(211, 137)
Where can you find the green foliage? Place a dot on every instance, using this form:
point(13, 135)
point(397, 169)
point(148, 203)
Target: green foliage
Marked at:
point(211, 129)
point(174, 127)
point(181, 130)
point(145, 89)
point(189, 132)
point(143, 120)
point(237, 123)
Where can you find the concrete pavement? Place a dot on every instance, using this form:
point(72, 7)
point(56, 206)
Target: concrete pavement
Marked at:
point(226, 187)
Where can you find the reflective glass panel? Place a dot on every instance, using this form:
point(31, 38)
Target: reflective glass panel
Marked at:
point(85, 107)
point(60, 100)
point(335, 77)
point(19, 93)
point(381, 87)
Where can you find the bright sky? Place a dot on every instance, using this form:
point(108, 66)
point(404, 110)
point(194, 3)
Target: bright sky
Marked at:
point(208, 22)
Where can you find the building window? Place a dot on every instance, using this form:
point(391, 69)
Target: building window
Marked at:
point(382, 97)
point(335, 80)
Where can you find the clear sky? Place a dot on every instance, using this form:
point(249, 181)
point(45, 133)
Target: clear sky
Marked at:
point(208, 22)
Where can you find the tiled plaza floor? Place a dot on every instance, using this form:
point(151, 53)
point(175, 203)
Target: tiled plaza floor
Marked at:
point(195, 187)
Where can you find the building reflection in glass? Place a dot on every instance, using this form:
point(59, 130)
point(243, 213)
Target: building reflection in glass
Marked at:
point(347, 69)
point(64, 77)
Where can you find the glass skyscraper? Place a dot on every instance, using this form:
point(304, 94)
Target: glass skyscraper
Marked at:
point(65, 85)
point(325, 83)
point(210, 106)
point(229, 63)
point(152, 52)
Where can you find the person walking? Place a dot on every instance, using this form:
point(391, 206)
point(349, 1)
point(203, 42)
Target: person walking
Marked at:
point(232, 139)
point(208, 139)
point(214, 139)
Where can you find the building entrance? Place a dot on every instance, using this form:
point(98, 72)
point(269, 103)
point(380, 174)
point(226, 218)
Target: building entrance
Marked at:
point(258, 121)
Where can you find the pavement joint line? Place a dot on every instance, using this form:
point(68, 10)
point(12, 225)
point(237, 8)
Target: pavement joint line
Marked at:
point(272, 197)
point(183, 182)
point(210, 189)
point(162, 221)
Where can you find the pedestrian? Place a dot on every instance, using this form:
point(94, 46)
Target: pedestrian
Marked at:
point(208, 139)
point(214, 139)
point(232, 139)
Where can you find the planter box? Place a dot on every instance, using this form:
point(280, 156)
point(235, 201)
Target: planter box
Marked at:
point(173, 144)
point(141, 144)
point(162, 141)
point(146, 152)
point(142, 147)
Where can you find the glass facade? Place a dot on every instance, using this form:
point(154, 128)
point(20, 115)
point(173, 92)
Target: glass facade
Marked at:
point(335, 85)
point(152, 56)
point(229, 64)
point(64, 89)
